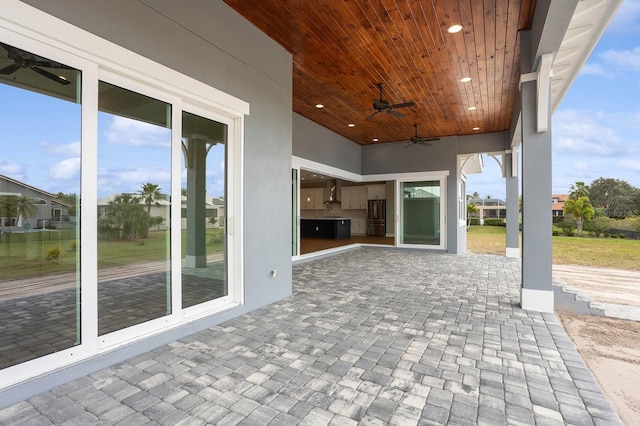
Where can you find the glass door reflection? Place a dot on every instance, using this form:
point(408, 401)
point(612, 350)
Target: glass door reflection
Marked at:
point(203, 224)
point(420, 213)
point(134, 163)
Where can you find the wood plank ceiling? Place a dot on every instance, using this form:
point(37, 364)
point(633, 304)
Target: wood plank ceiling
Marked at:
point(343, 48)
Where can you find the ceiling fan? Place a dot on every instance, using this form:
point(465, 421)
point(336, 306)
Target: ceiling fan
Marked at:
point(22, 59)
point(417, 140)
point(380, 105)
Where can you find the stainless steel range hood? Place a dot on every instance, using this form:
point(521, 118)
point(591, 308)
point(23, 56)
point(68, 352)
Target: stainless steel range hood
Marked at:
point(333, 192)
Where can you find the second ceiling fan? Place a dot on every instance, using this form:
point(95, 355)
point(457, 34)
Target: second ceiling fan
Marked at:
point(380, 105)
point(417, 140)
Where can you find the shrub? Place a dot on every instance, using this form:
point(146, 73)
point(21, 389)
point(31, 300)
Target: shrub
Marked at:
point(598, 225)
point(622, 236)
point(474, 221)
point(215, 238)
point(568, 228)
point(495, 222)
point(55, 253)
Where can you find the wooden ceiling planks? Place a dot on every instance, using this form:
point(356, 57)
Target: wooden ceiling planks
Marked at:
point(341, 49)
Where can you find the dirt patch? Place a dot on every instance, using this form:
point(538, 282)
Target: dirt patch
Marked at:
point(606, 285)
point(611, 349)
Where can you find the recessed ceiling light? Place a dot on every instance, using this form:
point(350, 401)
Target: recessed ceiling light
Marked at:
point(472, 108)
point(465, 80)
point(476, 128)
point(319, 106)
point(375, 139)
point(455, 28)
point(352, 125)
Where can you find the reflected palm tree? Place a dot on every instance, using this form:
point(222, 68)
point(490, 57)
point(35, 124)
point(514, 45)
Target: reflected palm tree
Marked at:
point(150, 194)
point(14, 207)
point(25, 208)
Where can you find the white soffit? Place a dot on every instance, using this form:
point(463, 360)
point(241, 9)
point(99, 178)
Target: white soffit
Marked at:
point(471, 164)
point(587, 25)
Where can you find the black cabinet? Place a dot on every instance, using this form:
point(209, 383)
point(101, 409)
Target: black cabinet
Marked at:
point(325, 228)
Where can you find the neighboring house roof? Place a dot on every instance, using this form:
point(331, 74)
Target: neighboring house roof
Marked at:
point(53, 197)
point(557, 201)
point(487, 202)
point(216, 201)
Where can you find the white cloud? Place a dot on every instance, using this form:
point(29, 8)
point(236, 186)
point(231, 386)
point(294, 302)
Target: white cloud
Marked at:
point(580, 132)
point(66, 169)
point(69, 149)
point(623, 59)
point(13, 170)
point(626, 18)
point(115, 181)
point(125, 131)
point(591, 68)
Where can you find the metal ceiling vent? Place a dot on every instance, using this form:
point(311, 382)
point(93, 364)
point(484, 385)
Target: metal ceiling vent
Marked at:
point(333, 192)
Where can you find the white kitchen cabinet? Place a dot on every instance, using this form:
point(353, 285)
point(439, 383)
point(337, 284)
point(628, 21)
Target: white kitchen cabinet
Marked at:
point(358, 226)
point(376, 192)
point(353, 197)
point(311, 198)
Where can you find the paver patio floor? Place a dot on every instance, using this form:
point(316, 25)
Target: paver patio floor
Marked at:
point(370, 336)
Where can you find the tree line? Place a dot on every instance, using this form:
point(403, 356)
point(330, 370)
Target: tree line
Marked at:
point(125, 217)
point(597, 206)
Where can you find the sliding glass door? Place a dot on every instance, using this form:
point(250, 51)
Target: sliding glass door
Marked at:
point(421, 207)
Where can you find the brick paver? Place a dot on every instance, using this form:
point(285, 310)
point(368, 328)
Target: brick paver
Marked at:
point(371, 336)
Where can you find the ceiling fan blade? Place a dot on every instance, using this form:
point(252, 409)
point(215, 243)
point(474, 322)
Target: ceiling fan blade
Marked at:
point(57, 78)
point(371, 116)
point(408, 145)
point(49, 64)
point(395, 113)
point(402, 105)
point(10, 69)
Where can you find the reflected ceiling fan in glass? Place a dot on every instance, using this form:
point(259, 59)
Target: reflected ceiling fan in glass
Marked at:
point(22, 59)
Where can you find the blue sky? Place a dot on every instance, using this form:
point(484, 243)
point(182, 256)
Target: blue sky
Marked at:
point(596, 128)
point(45, 152)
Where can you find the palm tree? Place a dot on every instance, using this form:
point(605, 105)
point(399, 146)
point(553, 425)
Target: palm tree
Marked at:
point(580, 209)
point(471, 209)
point(577, 190)
point(150, 194)
point(24, 208)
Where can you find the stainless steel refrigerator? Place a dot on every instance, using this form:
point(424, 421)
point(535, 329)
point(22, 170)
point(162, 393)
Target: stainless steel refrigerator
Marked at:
point(376, 218)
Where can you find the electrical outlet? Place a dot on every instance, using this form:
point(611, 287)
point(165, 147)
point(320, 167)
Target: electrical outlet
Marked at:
point(274, 273)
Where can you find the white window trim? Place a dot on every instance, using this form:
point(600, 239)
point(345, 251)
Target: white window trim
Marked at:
point(440, 176)
point(94, 56)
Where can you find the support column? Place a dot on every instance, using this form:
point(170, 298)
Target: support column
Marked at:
point(513, 225)
point(537, 290)
point(196, 253)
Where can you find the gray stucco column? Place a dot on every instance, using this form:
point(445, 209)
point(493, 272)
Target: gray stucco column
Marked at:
point(513, 226)
point(196, 253)
point(537, 290)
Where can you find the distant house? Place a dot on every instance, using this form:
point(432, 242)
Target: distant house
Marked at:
point(50, 212)
point(489, 208)
point(557, 205)
point(214, 207)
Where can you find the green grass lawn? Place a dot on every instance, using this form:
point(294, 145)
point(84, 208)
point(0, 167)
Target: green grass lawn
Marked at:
point(603, 252)
point(22, 257)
